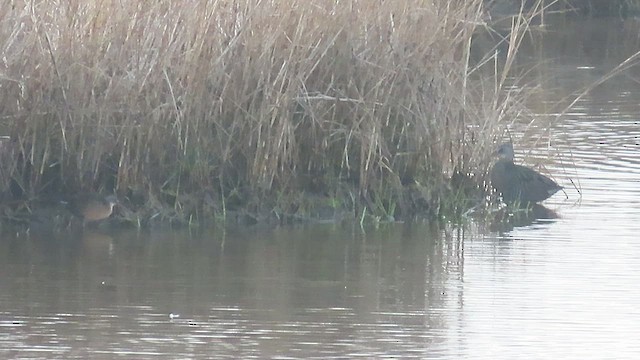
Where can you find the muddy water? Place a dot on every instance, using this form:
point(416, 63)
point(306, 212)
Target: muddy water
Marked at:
point(565, 287)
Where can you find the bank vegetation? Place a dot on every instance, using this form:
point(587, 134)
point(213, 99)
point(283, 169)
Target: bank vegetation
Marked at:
point(250, 110)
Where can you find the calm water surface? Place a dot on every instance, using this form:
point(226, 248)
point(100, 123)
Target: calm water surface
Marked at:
point(564, 288)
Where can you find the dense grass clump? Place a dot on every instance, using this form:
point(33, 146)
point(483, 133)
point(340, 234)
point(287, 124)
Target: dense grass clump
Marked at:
point(270, 109)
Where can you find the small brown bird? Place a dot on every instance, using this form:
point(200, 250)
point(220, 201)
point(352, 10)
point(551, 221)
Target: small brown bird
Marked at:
point(92, 207)
point(519, 184)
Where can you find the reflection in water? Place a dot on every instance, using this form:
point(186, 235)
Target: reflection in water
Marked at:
point(280, 292)
point(508, 218)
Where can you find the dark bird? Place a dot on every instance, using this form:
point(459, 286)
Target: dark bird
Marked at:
point(519, 184)
point(92, 207)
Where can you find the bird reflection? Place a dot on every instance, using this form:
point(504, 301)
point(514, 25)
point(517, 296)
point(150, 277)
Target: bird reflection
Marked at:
point(510, 217)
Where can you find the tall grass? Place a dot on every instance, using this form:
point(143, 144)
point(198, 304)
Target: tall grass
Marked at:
point(189, 109)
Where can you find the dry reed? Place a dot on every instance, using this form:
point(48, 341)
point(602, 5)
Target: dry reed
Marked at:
point(193, 109)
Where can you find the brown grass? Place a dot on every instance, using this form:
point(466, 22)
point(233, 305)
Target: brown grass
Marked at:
point(193, 109)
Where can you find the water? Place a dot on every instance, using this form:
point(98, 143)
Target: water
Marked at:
point(560, 288)
point(307, 292)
